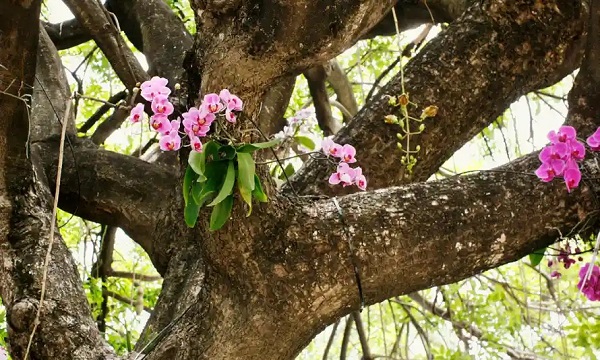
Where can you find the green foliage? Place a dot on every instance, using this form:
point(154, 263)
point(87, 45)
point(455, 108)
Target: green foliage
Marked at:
point(211, 176)
point(536, 257)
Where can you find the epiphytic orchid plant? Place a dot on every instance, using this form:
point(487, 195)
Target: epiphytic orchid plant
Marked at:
point(561, 158)
point(217, 166)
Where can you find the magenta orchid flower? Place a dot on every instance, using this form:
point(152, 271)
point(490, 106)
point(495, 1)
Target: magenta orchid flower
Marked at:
point(557, 151)
point(549, 170)
point(162, 105)
point(212, 102)
point(564, 134)
point(590, 287)
point(572, 176)
point(594, 140)
point(576, 149)
point(137, 113)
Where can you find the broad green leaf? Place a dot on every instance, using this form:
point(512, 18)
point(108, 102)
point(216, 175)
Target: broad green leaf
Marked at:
point(216, 169)
point(191, 213)
point(258, 191)
point(246, 196)
point(246, 170)
point(188, 179)
point(227, 187)
point(197, 161)
point(208, 190)
point(211, 149)
point(248, 148)
point(288, 171)
point(196, 191)
point(221, 213)
point(536, 257)
point(306, 142)
point(226, 152)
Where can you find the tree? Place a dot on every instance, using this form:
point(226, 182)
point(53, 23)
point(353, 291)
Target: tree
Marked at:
point(286, 271)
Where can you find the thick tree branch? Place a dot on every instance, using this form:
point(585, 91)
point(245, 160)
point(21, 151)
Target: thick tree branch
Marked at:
point(25, 213)
point(427, 234)
point(114, 189)
point(98, 185)
point(67, 34)
point(584, 98)
point(164, 38)
point(271, 119)
point(273, 36)
point(318, 91)
point(343, 89)
point(50, 92)
point(95, 19)
point(469, 57)
point(412, 13)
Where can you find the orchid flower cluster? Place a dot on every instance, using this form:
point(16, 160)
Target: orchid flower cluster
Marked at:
point(344, 174)
point(302, 127)
point(564, 257)
point(196, 121)
point(562, 157)
point(303, 122)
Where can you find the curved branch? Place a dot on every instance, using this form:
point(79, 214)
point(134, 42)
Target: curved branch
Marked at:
point(66, 34)
point(157, 32)
point(113, 189)
point(468, 58)
point(411, 14)
point(418, 236)
point(95, 19)
point(343, 89)
point(318, 91)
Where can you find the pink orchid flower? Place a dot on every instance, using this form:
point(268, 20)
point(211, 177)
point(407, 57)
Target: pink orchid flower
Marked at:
point(160, 123)
point(230, 116)
point(137, 113)
point(212, 102)
point(162, 105)
point(348, 154)
point(171, 142)
point(153, 87)
point(195, 143)
point(330, 148)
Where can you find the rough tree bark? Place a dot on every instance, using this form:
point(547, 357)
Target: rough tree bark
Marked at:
point(285, 272)
point(25, 213)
